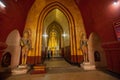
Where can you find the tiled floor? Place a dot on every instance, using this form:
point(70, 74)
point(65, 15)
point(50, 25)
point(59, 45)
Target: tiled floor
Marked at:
point(59, 69)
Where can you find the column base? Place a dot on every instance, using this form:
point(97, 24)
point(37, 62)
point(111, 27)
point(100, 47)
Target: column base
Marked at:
point(21, 69)
point(88, 66)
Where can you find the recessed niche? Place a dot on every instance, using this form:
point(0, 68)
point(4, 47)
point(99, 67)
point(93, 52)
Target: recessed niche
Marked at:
point(6, 59)
point(97, 56)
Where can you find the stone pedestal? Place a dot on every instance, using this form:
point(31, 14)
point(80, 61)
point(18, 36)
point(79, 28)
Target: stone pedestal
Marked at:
point(87, 66)
point(39, 69)
point(21, 69)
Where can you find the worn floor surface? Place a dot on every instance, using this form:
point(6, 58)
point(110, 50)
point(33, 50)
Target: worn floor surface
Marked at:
point(59, 69)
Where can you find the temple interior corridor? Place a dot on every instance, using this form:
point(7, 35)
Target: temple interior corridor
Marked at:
point(59, 39)
point(59, 69)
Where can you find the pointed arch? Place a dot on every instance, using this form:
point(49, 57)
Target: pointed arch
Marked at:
point(58, 27)
point(35, 22)
point(43, 14)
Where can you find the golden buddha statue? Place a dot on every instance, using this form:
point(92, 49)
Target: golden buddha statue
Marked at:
point(52, 43)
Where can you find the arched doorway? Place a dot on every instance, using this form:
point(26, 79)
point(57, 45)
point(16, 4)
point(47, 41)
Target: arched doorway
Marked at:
point(56, 33)
point(13, 42)
point(36, 22)
point(54, 42)
point(67, 21)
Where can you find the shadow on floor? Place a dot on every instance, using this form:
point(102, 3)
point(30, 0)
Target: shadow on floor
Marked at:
point(109, 72)
point(4, 74)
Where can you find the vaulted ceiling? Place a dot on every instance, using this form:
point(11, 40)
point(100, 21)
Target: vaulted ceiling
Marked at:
point(92, 11)
point(56, 16)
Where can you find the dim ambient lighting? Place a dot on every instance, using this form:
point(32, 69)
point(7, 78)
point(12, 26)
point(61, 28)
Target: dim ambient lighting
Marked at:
point(2, 4)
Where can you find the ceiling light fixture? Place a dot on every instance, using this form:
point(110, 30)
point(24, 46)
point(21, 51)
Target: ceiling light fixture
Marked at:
point(45, 35)
point(116, 2)
point(2, 4)
point(64, 35)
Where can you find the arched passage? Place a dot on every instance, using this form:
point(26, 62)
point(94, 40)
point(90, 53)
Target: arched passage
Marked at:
point(48, 27)
point(56, 33)
point(54, 41)
point(39, 14)
point(55, 5)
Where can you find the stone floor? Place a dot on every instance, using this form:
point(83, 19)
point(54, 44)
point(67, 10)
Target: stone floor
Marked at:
point(59, 69)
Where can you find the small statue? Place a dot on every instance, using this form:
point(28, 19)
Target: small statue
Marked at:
point(84, 47)
point(25, 43)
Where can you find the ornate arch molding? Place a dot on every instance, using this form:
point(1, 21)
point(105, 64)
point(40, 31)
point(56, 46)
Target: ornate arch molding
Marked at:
point(58, 28)
point(43, 14)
